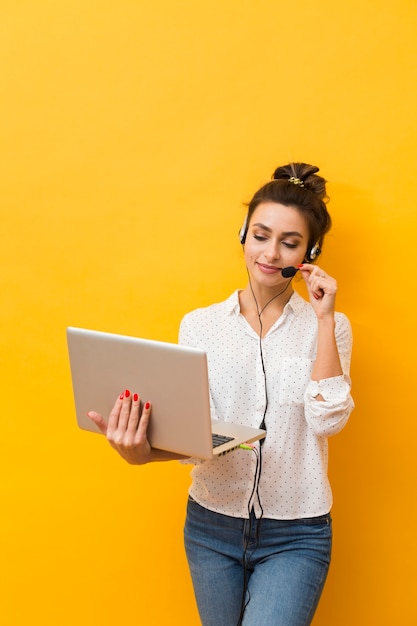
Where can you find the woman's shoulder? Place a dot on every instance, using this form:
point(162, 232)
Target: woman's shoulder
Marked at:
point(217, 309)
point(206, 323)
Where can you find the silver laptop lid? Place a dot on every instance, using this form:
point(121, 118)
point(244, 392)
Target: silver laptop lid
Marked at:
point(173, 377)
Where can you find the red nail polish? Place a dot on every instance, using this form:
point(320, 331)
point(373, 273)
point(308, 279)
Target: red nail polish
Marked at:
point(121, 396)
point(316, 296)
point(147, 405)
point(302, 265)
point(135, 397)
point(127, 393)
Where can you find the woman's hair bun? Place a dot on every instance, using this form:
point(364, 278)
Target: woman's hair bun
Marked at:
point(304, 175)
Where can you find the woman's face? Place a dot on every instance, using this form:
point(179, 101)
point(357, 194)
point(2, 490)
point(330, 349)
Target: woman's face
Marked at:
point(277, 237)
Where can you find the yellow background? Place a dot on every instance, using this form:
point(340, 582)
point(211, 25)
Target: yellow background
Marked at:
point(131, 134)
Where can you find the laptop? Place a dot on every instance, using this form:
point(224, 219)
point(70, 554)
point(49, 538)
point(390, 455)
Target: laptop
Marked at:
point(174, 378)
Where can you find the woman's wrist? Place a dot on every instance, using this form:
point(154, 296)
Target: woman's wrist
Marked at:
point(326, 320)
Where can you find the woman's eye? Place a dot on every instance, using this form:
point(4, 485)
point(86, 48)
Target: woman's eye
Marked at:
point(289, 245)
point(259, 238)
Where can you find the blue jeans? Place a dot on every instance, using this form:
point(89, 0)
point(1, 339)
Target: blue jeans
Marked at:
point(286, 567)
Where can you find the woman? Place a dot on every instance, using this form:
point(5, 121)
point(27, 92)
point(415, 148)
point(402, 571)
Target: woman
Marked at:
point(258, 527)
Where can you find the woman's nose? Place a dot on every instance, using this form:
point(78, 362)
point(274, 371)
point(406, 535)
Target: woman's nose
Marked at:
point(272, 250)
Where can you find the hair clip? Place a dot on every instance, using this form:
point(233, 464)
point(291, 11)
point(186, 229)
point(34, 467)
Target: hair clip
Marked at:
point(296, 181)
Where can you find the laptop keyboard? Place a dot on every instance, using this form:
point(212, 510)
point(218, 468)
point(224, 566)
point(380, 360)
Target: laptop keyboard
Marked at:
point(218, 440)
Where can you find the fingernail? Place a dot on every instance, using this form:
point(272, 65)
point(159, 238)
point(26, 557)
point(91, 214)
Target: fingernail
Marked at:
point(316, 296)
point(302, 265)
point(121, 396)
point(135, 397)
point(147, 405)
point(127, 393)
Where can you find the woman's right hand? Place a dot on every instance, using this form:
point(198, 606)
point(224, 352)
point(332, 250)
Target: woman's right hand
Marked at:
point(126, 430)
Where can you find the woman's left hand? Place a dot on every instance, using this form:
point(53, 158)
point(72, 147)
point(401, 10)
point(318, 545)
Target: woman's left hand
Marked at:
point(321, 288)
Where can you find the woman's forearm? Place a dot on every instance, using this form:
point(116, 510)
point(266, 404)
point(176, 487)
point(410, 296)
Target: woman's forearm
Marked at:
point(327, 363)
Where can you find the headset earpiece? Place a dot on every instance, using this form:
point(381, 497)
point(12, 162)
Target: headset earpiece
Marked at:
point(314, 253)
point(243, 231)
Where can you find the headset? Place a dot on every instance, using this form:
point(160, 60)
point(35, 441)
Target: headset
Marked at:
point(311, 256)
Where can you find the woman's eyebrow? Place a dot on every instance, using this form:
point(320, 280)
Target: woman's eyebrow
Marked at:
point(293, 233)
point(289, 233)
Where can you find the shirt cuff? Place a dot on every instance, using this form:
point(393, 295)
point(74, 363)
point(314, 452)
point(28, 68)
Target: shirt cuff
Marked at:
point(329, 388)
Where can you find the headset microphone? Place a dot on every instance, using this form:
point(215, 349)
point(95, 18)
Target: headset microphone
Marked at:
point(289, 272)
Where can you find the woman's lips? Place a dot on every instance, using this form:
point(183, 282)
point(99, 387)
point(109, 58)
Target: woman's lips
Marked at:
point(268, 269)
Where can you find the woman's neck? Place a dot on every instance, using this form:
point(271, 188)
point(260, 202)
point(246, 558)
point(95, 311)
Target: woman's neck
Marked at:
point(262, 308)
point(266, 299)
